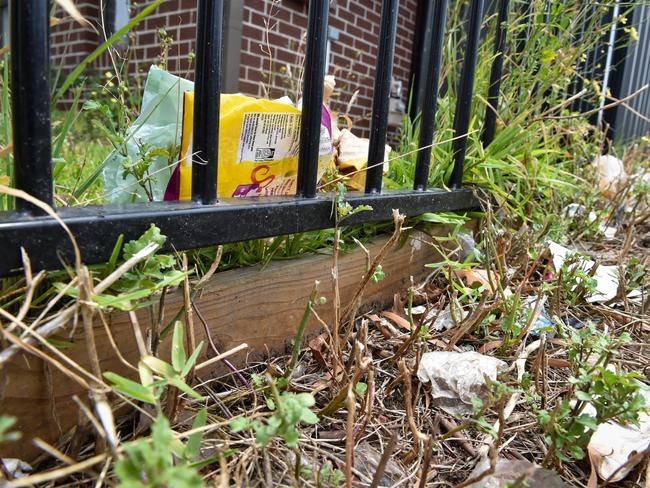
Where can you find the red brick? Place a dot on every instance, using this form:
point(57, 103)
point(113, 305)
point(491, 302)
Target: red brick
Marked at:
point(352, 60)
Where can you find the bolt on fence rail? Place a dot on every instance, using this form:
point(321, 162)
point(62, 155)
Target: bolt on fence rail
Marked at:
point(208, 220)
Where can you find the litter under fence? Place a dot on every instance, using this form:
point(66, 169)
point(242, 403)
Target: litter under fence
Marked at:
point(207, 219)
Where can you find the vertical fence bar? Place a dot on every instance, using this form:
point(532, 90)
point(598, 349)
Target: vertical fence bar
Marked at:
point(522, 36)
point(312, 98)
point(611, 43)
point(381, 96)
point(428, 122)
point(419, 55)
point(575, 86)
point(496, 72)
point(207, 93)
point(30, 85)
point(465, 90)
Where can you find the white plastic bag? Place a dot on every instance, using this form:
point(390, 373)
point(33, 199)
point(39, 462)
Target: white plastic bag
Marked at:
point(458, 377)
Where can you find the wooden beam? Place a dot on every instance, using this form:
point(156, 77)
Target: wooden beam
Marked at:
point(261, 306)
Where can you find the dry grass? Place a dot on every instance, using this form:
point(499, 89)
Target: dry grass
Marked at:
point(388, 433)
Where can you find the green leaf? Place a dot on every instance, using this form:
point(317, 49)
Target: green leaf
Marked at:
point(203, 462)
point(178, 348)
point(146, 376)
point(193, 446)
point(309, 417)
point(91, 105)
point(131, 388)
point(151, 235)
point(71, 116)
point(59, 344)
point(189, 364)
point(587, 421)
point(5, 424)
point(159, 366)
point(291, 438)
point(576, 452)
point(583, 396)
point(238, 424)
point(306, 399)
point(548, 56)
point(443, 218)
point(112, 262)
point(184, 387)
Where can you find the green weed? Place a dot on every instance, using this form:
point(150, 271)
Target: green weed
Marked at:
point(289, 410)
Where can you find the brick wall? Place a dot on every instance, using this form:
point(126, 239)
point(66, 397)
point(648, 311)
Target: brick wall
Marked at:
point(178, 19)
point(272, 46)
point(281, 26)
point(71, 42)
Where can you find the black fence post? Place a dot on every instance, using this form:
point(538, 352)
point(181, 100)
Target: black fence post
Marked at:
point(207, 97)
point(381, 95)
point(424, 21)
point(204, 223)
point(496, 73)
point(312, 98)
point(527, 12)
point(428, 121)
point(465, 91)
point(30, 98)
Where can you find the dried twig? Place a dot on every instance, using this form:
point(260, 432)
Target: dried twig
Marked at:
point(385, 457)
point(347, 314)
point(221, 357)
point(408, 404)
point(351, 405)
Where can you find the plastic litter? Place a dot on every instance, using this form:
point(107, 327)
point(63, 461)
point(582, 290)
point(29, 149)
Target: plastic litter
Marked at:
point(608, 231)
point(612, 444)
point(159, 125)
point(258, 147)
point(458, 377)
point(258, 144)
point(541, 321)
point(445, 320)
point(606, 276)
point(352, 158)
point(439, 320)
point(576, 210)
point(419, 310)
point(611, 174)
point(366, 460)
point(468, 249)
point(515, 472)
point(16, 467)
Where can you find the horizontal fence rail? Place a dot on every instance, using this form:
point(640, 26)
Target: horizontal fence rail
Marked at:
point(207, 220)
point(189, 225)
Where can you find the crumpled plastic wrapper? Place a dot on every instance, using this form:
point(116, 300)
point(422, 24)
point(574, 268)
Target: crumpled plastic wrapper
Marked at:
point(611, 174)
point(606, 276)
point(612, 444)
point(457, 377)
point(159, 124)
point(509, 471)
point(352, 158)
point(367, 459)
point(16, 467)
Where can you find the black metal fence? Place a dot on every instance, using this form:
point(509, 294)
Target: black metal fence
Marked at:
point(628, 57)
point(618, 66)
point(207, 219)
